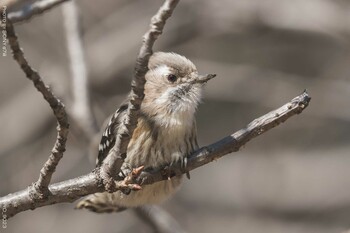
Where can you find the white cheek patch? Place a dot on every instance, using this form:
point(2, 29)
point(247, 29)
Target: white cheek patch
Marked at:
point(184, 111)
point(162, 71)
point(175, 113)
point(164, 98)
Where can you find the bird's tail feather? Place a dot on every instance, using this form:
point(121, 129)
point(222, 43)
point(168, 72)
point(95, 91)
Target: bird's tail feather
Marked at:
point(98, 205)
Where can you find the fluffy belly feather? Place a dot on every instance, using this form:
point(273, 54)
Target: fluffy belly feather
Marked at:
point(152, 148)
point(152, 151)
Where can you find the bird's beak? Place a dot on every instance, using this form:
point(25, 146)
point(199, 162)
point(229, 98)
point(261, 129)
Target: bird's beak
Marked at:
point(204, 78)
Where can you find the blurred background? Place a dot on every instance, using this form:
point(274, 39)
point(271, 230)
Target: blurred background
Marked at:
point(295, 178)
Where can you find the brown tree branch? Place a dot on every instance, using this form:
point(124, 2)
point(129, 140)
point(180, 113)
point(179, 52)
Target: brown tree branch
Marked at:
point(234, 142)
point(81, 109)
point(112, 164)
point(71, 190)
point(40, 189)
point(33, 9)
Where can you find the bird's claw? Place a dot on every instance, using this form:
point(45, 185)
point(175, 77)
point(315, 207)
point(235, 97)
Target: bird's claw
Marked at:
point(129, 181)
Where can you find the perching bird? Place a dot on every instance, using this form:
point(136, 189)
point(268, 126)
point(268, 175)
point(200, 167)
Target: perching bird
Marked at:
point(165, 133)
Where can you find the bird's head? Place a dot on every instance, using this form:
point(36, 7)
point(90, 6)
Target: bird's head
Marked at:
point(173, 87)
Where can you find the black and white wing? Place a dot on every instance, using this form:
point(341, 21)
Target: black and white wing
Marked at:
point(109, 135)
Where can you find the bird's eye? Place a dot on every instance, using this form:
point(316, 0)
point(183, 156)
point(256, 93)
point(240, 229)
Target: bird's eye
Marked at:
point(172, 78)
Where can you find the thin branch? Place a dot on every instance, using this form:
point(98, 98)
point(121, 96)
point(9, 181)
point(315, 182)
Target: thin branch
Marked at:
point(36, 8)
point(66, 191)
point(160, 220)
point(114, 161)
point(71, 190)
point(81, 109)
point(233, 142)
point(40, 188)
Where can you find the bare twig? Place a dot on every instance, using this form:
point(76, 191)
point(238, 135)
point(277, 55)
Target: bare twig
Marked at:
point(235, 141)
point(81, 109)
point(71, 190)
point(33, 9)
point(112, 164)
point(158, 219)
point(66, 191)
point(40, 188)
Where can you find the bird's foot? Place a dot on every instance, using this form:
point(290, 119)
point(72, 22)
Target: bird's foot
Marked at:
point(129, 182)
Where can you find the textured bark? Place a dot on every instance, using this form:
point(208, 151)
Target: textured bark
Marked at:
point(235, 141)
point(39, 190)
